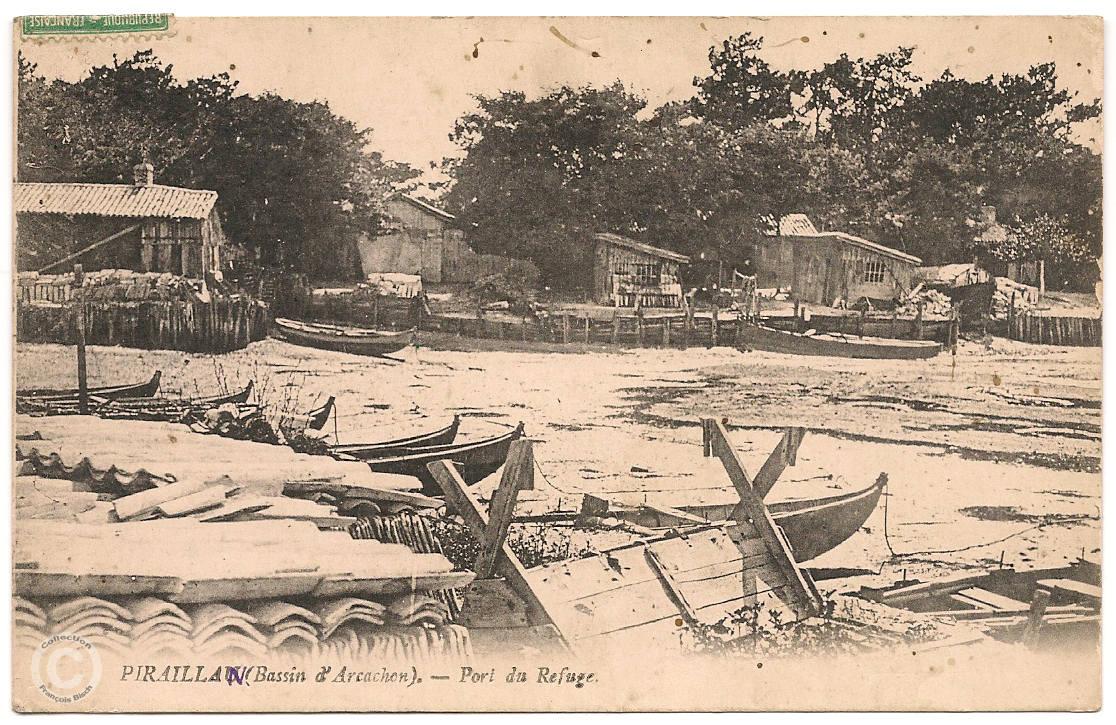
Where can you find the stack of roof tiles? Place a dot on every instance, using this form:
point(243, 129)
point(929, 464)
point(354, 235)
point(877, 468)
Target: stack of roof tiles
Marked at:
point(153, 626)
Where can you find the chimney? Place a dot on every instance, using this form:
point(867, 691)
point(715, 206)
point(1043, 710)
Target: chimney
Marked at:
point(988, 215)
point(143, 174)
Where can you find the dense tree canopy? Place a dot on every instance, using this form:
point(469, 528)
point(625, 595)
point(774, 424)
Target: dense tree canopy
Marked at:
point(295, 181)
point(859, 144)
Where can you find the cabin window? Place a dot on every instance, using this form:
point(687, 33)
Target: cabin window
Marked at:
point(646, 274)
point(874, 272)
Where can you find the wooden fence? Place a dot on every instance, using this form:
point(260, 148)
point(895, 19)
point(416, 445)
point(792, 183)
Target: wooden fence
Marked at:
point(1049, 330)
point(220, 325)
point(587, 328)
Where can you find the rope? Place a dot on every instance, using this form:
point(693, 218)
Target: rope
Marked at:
point(895, 555)
point(556, 488)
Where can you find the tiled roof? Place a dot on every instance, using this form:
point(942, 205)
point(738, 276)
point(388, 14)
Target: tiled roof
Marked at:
point(641, 247)
point(796, 224)
point(120, 200)
point(791, 225)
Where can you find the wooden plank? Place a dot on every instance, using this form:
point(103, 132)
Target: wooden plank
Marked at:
point(507, 564)
point(784, 455)
point(1072, 587)
point(671, 586)
point(519, 469)
point(804, 597)
point(991, 599)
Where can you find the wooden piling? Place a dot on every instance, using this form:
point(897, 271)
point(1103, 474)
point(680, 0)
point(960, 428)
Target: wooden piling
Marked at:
point(79, 325)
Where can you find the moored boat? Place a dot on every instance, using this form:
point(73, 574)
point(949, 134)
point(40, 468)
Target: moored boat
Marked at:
point(339, 338)
point(170, 409)
point(767, 339)
point(812, 526)
point(48, 396)
point(475, 460)
point(368, 451)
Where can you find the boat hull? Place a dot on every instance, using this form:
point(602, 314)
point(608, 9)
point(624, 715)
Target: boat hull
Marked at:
point(169, 409)
point(767, 339)
point(475, 461)
point(354, 341)
point(399, 446)
point(62, 401)
point(812, 526)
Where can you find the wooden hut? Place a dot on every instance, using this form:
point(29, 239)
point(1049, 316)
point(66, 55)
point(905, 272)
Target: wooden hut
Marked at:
point(143, 226)
point(627, 273)
point(421, 239)
point(828, 267)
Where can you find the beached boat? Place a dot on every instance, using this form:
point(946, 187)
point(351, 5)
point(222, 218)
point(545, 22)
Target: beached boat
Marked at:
point(475, 460)
point(317, 417)
point(170, 409)
point(1055, 607)
point(767, 339)
point(368, 451)
point(106, 392)
point(812, 526)
point(339, 338)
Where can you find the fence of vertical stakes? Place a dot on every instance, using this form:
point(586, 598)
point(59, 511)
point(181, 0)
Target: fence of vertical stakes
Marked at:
point(219, 325)
point(1050, 330)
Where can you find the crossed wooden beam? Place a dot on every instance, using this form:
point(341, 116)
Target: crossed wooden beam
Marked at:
point(751, 510)
point(496, 557)
point(491, 528)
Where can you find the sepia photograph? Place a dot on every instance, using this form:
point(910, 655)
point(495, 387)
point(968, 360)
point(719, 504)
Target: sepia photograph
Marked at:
point(556, 363)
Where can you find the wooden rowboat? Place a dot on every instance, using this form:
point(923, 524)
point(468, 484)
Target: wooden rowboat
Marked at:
point(475, 460)
point(169, 409)
point(368, 451)
point(107, 392)
point(767, 339)
point(355, 340)
point(812, 526)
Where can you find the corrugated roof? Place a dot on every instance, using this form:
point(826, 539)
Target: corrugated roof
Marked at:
point(878, 248)
point(641, 247)
point(121, 200)
point(430, 209)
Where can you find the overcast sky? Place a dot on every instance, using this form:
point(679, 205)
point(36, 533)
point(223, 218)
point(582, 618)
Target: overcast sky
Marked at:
point(410, 78)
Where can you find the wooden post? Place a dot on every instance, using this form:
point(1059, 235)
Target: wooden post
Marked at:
point(615, 326)
point(706, 437)
point(639, 326)
point(565, 328)
point(507, 563)
point(1039, 602)
point(586, 328)
point(666, 331)
point(1042, 278)
point(751, 511)
point(785, 454)
point(79, 324)
point(918, 321)
point(519, 473)
point(713, 327)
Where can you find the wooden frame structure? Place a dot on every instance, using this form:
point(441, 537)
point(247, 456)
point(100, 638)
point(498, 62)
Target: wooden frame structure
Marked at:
point(639, 592)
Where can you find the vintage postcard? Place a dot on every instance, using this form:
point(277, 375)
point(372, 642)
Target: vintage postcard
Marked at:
point(556, 364)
